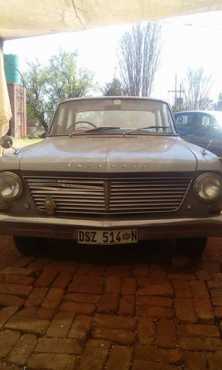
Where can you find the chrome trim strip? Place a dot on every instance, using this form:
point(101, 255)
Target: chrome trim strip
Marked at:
point(108, 223)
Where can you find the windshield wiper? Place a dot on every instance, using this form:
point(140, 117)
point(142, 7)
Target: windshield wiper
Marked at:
point(95, 130)
point(148, 128)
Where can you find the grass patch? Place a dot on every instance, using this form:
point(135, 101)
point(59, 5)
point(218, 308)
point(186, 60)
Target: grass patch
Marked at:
point(20, 143)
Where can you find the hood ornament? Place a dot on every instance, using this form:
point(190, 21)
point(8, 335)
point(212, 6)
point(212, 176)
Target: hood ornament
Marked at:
point(50, 206)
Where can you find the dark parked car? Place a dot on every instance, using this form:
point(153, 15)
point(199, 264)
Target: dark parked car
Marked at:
point(203, 128)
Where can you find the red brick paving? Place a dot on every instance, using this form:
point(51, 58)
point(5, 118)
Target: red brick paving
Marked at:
point(71, 314)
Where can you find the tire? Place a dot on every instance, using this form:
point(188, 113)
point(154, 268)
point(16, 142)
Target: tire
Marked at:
point(193, 247)
point(28, 246)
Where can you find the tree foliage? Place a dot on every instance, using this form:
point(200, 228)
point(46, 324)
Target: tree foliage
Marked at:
point(197, 85)
point(138, 58)
point(47, 85)
point(113, 88)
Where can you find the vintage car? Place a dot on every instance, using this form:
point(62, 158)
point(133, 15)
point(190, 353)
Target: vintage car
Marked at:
point(203, 128)
point(111, 171)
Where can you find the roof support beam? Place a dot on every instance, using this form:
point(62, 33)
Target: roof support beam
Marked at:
point(5, 108)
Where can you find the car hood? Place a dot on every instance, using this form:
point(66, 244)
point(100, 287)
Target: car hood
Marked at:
point(109, 153)
point(100, 153)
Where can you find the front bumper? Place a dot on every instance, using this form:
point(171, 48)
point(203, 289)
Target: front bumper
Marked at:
point(51, 227)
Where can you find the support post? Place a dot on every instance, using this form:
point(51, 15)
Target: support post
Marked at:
point(5, 107)
point(1, 51)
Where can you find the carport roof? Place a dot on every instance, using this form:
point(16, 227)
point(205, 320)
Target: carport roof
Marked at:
point(21, 18)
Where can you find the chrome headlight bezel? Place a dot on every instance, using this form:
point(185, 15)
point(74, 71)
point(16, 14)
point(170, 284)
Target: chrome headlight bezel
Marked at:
point(205, 183)
point(11, 179)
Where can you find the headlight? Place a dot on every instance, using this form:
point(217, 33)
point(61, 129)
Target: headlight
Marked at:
point(10, 185)
point(208, 186)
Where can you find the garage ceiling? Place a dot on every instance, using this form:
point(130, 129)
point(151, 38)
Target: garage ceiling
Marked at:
point(20, 18)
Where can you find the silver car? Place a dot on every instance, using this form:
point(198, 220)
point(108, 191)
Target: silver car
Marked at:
point(111, 171)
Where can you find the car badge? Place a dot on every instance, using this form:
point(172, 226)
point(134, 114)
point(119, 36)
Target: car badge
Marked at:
point(50, 206)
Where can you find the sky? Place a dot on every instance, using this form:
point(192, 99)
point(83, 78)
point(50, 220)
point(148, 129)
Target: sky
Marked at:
point(186, 42)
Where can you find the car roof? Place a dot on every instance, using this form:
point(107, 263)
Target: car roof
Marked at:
point(114, 97)
point(197, 111)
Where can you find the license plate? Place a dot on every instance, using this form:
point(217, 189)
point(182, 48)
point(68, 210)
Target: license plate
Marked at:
point(110, 237)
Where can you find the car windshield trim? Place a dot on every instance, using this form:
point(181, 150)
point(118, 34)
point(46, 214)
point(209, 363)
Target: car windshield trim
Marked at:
point(120, 132)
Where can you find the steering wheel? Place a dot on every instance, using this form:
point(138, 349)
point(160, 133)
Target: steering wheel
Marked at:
point(87, 122)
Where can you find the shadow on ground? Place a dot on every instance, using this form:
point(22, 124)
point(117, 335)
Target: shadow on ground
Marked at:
point(149, 252)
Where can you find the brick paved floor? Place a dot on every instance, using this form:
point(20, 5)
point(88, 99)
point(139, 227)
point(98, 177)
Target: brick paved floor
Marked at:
point(145, 308)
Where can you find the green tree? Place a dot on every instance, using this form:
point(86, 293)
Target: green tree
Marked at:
point(113, 88)
point(60, 79)
point(36, 87)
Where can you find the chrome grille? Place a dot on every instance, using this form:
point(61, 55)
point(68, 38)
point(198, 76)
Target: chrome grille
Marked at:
point(125, 195)
point(148, 195)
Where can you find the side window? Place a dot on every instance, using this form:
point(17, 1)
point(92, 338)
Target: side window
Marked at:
point(181, 122)
point(203, 124)
point(193, 124)
point(209, 126)
point(206, 121)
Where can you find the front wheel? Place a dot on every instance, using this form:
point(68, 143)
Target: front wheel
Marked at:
point(193, 247)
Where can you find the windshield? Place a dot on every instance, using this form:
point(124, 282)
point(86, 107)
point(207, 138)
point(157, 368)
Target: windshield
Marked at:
point(112, 116)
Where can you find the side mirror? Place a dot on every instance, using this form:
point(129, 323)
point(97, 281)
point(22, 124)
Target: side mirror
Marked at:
point(6, 142)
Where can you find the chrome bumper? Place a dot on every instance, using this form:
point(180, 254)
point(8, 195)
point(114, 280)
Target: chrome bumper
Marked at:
point(109, 223)
point(148, 229)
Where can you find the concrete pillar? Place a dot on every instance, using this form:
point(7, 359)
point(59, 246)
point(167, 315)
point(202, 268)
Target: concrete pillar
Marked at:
point(5, 107)
point(1, 50)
